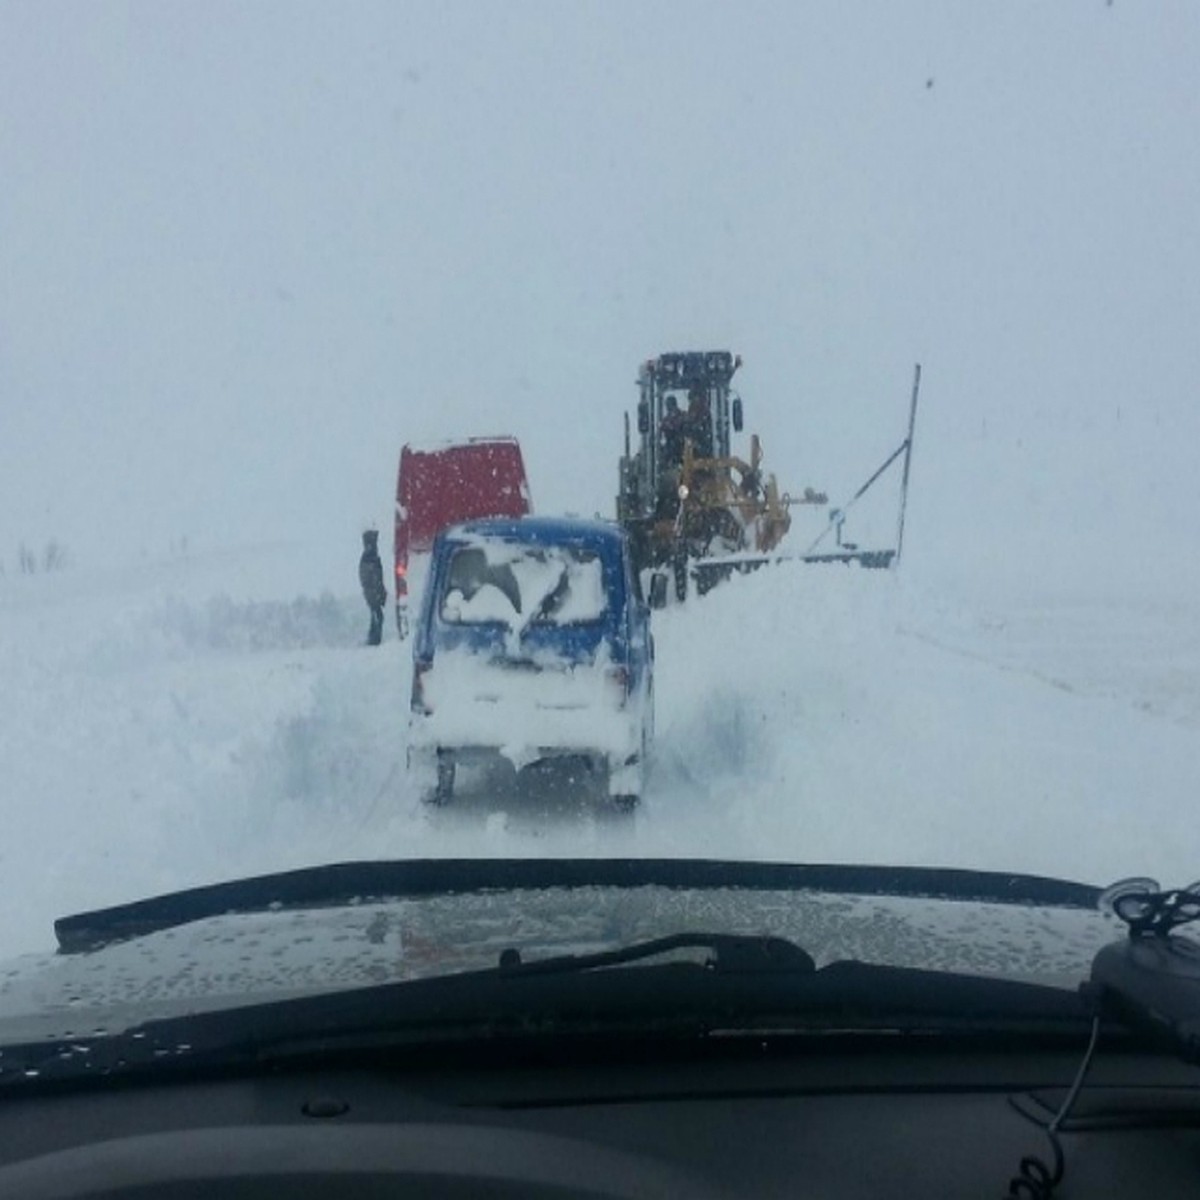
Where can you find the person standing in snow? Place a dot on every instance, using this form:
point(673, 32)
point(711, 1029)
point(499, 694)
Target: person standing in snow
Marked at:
point(370, 575)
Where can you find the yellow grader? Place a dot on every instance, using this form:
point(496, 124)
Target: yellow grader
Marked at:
point(692, 507)
point(687, 502)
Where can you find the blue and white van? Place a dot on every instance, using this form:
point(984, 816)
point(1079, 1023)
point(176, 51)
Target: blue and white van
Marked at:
point(532, 643)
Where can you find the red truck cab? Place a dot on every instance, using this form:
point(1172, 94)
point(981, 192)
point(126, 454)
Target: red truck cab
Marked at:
point(443, 485)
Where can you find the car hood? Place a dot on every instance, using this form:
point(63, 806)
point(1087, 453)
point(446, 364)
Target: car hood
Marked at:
point(233, 944)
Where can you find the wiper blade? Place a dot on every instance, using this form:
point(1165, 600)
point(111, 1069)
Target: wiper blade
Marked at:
point(730, 953)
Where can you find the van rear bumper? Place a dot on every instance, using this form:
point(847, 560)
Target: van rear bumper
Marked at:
point(614, 736)
point(611, 733)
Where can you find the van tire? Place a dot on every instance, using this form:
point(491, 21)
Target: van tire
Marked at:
point(627, 802)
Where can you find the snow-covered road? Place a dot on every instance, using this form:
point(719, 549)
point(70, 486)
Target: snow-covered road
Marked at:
point(190, 721)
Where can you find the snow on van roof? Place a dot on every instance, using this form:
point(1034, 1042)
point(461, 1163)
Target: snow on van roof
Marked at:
point(436, 447)
point(536, 529)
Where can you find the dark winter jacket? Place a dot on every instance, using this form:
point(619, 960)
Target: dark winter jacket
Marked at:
point(370, 575)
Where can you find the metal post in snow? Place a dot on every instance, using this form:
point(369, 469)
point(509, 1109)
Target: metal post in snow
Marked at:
point(908, 441)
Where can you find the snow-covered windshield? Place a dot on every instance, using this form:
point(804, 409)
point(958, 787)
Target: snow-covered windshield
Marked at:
point(248, 252)
point(517, 586)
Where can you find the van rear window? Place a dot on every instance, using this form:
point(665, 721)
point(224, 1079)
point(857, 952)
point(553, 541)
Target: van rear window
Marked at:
point(521, 585)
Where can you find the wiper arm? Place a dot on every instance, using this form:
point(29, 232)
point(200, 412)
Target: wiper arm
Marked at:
point(731, 953)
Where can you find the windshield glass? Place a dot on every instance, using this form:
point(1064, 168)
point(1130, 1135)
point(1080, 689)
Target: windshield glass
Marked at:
point(842, 359)
point(517, 586)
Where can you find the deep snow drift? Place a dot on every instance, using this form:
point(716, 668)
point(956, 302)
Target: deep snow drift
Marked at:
point(184, 722)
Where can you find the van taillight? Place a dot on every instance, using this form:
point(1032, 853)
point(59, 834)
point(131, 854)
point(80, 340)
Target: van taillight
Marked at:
point(619, 676)
point(401, 580)
point(419, 704)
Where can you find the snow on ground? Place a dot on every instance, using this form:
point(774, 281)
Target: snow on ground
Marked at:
point(182, 722)
point(856, 719)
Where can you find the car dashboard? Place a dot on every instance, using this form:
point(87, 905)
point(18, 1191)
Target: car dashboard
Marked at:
point(778, 1116)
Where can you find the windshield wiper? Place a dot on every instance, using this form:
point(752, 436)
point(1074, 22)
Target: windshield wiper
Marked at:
point(730, 953)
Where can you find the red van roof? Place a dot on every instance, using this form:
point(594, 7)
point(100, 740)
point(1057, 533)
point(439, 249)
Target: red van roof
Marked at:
point(443, 484)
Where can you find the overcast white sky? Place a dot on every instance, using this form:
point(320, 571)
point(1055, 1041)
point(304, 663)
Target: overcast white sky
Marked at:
point(248, 250)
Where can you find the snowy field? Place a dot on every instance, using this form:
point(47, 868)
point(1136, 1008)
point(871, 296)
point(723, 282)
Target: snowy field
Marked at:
point(205, 718)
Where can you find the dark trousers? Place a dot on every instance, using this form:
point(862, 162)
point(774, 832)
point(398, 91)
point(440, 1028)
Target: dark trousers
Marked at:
point(375, 634)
